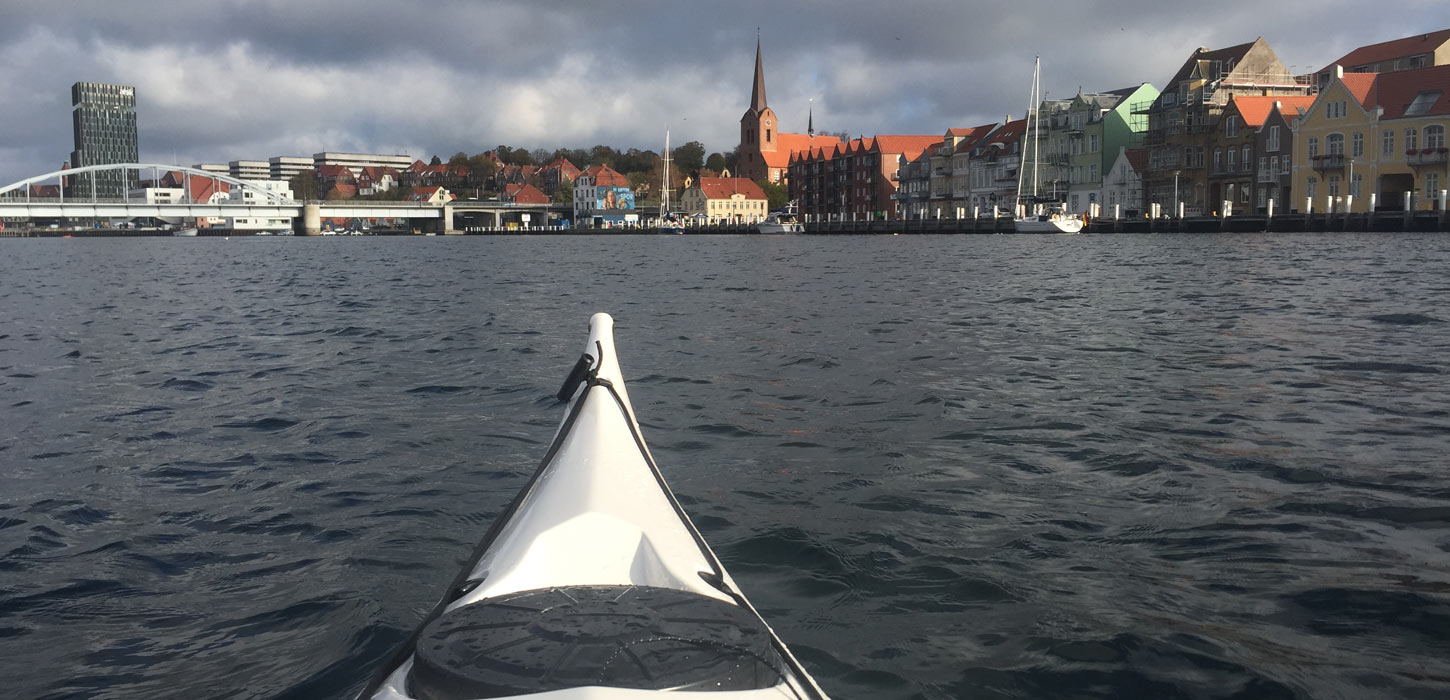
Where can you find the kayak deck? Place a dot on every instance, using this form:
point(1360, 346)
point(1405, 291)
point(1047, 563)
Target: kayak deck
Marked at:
point(593, 583)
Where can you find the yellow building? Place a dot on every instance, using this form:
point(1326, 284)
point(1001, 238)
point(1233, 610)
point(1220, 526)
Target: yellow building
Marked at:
point(1374, 137)
point(728, 199)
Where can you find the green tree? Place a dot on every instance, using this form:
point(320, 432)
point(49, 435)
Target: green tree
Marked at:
point(436, 160)
point(732, 159)
point(565, 193)
point(304, 185)
point(481, 167)
point(775, 194)
point(715, 162)
point(690, 157)
point(459, 158)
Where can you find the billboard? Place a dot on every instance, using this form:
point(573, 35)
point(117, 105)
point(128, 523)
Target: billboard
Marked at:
point(614, 198)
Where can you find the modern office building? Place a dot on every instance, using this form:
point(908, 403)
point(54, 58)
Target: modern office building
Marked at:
point(249, 169)
point(285, 167)
point(103, 118)
point(357, 161)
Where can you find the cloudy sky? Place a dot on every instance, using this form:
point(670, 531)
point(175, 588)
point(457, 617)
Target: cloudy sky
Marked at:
point(252, 79)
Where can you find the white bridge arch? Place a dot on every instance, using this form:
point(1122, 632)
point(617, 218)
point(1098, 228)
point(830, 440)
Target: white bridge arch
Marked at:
point(268, 196)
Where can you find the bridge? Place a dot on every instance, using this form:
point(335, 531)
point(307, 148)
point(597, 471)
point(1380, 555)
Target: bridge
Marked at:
point(18, 202)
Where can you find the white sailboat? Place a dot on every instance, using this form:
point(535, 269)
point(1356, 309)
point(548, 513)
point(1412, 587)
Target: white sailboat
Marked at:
point(1033, 216)
point(667, 222)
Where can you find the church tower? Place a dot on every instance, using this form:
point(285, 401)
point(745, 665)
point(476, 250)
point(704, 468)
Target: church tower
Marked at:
point(759, 129)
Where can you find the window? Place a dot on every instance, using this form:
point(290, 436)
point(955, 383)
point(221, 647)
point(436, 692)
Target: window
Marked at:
point(1231, 126)
point(1354, 184)
point(1432, 186)
point(1434, 136)
point(1244, 194)
point(1232, 159)
point(1422, 103)
point(1412, 140)
point(1263, 166)
point(1312, 187)
point(1333, 185)
point(1273, 145)
point(1217, 159)
point(1093, 143)
point(1357, 145)
point(1388, 139)
point(1334, 145)
point(1263, 196)
point(1313, 146)
point(1248, 157)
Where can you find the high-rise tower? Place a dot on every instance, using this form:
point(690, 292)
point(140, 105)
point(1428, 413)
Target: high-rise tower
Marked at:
point(103, 118)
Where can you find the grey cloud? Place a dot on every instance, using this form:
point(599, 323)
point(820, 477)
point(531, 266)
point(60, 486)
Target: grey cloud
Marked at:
point(253, 79)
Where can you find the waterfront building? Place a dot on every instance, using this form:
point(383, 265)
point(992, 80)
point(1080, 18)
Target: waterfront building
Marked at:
point(219, 168)
point(357, 161)
point(103, 122)
point(250, 196)
point(913, 193)
point(1182, 117)
point(603, 198)
point(250, 169)
point(854, 181)
point(336, 182)
point(1054, 143)
point(1380, 134)
point(993, 171)
point(1274, 143)
point(1089, 138)
point(1240, 172)
point(1409, 53)
point(765, 152)
point(287, 167)
point(725, 199)
point(951, 179)
point(1123, 183)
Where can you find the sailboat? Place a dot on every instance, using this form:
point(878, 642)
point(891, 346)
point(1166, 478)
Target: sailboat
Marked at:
point(1033, 216)
point(668, 224)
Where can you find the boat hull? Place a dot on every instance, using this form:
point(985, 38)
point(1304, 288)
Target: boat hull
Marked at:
point(1064, 224)
point(597, 527)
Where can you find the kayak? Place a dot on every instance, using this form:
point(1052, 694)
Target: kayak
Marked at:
point(593, 584)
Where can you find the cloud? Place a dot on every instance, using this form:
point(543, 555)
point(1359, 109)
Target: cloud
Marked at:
point(260, 78)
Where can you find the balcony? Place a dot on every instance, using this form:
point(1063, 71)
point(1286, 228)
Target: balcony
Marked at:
point(1426, 156)
point(1332, 161)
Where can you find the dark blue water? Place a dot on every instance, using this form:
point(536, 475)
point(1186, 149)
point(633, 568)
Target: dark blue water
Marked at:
point(943, 467)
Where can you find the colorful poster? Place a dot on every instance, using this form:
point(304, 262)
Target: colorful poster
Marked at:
point(614, 198)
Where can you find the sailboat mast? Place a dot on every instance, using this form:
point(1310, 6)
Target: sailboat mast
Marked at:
point(665, 194)
point(1036, 121)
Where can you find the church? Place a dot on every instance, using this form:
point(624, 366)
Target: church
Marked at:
point(765, 152)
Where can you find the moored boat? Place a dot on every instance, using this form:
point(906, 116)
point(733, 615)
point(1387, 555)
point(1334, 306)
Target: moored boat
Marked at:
point(184, 232)
point(783, 220)
point(593, 584)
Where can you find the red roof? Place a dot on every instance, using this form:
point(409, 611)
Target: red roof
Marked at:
point(334, 171)
point(1395, 91)
point(1359, 85)
point(605, 176)
point(1390, 50)
point(909, 145)
point(974, 136)
point(201, 188)
point(1008, 134)
point(342, 190)
point(788, 144)
point(1254, 109)
point(1138, 158)
point(524, 194)
point(725, 187)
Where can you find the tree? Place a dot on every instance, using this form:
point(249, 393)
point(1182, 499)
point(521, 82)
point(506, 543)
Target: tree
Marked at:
point(732, 159)
point(541, 156)
point(690, 157)
point(304, 185)
point(565, 193)
point(436, 160)
point(459, 158)
point(715, 162)
point(775, 194)
point(481, 167)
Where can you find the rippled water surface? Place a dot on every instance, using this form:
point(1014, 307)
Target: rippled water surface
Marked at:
point(943, 467)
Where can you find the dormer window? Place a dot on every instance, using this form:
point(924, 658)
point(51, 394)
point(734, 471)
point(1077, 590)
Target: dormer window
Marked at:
point(1423, 102)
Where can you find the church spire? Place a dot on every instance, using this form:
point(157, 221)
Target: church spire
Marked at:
point(757, 92)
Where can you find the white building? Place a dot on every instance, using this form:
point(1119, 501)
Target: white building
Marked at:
point(357, 161)
point(1123, 183)
point(284, 168)
point(249, 169)
point(249, 196)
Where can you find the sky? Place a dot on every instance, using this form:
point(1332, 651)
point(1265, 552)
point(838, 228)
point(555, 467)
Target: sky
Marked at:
point(253, 79)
